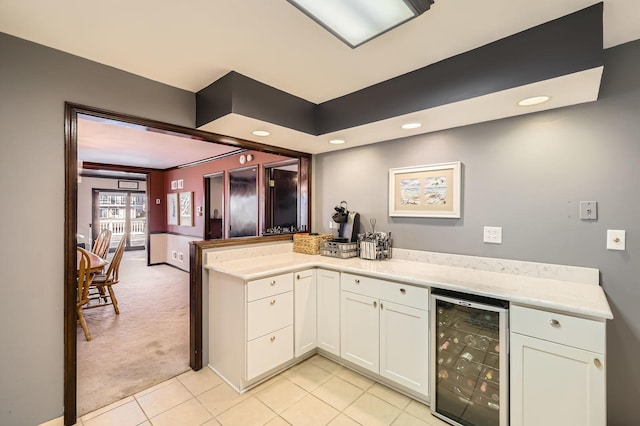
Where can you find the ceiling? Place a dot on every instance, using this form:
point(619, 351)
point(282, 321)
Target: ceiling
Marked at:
point(190, 44)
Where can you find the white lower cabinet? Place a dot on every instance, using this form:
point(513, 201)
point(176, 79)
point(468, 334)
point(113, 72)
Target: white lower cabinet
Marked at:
point(305, 318)
point(557, 369)
point(384, 336)
point(360, 332)
point(404, 348)
point(250, 326)
point(328, 310)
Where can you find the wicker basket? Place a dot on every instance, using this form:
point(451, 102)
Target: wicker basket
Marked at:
point(309, 244)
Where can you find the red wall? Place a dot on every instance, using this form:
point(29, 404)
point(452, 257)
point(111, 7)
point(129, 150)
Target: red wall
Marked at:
point(157, 212)
point(194, 181)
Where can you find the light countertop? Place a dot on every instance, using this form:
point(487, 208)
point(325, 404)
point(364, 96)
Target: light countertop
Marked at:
point(563, 296)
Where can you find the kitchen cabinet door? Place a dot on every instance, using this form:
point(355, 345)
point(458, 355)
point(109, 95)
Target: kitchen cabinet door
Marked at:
point(404, 346)
point(304, 291)
point(359, 330)
point(554, 384)
point(328, 294)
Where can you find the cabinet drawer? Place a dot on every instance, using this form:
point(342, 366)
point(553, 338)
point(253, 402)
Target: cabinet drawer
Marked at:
point(416, 297)
point(408, 295)
point(564, 329)
point(267, 352)
point(358, 284)
point(269, 314)
point(266, 287)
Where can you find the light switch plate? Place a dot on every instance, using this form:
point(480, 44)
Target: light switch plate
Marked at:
point(616, 239)
point(492, 235)
point(588, 210)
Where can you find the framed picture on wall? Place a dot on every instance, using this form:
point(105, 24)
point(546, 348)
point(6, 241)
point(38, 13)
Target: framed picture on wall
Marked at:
point(186, 209)
point(174, 184)
point(425, 191)
point(180, 183)
point(172, 209)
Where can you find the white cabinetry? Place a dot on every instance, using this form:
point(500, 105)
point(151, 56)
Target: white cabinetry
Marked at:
point(385, 329)
point(328, 306)
point(305, 312)
point(360, 330)
point(250, 326)
point(557, 369)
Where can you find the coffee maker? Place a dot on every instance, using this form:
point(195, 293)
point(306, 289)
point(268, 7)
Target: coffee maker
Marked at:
point(349, 223)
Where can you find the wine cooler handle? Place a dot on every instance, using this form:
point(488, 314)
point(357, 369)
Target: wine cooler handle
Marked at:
point(554, 323)
point(597, 362)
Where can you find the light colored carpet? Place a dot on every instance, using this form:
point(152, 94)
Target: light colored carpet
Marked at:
point(144, 345)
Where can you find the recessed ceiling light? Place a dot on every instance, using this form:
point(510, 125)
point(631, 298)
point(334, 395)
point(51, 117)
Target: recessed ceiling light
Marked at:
point(534, 100)
point(411, 125)
point(261, 133)
point(336, 141)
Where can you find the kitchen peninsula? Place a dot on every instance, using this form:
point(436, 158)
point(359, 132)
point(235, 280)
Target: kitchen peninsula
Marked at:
point(270, 308)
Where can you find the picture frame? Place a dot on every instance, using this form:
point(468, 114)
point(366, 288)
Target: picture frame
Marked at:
point(174, 184)
point(173, 209)
point(186, 208)
point(180, 183)
point(426, 191)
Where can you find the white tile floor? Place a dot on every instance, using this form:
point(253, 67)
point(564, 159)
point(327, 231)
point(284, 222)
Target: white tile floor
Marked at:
point(315, 392)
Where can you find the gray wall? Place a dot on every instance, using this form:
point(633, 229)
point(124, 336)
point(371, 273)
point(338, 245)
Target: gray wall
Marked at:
point(527, 175)
point(34, 84)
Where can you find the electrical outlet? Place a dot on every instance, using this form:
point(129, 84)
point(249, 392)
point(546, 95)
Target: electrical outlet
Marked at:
point(492, 235)
point(616, 239)
point(174, 254)
point(180, 257)
point(331, 224)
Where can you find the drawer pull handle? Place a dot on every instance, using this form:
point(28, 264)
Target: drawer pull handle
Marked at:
point(375, 304)
point(273, 302)
point(357, 281)
point(597, 362)
point(273, 338)
point(403, 291)
point(554, 323)
point(273, 282)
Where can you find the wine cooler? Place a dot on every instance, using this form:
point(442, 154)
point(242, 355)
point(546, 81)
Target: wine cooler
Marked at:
point(469, 370)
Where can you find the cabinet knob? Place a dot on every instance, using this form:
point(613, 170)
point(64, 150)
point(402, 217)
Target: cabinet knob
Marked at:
point(375, 304)
point(298, 276)
point(403, 291)
point(554, 323)
point(597, 363)
point(273, 302)
point(381, 305)
point(273, 338)
point(273, 282)
point(357, 281)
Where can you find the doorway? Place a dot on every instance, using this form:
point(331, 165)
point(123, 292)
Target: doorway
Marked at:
point(123, 213)
point(281, 195)
point(214, 206)
point(73, 112)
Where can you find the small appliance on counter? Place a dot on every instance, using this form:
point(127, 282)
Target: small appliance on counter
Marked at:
point(349, 222)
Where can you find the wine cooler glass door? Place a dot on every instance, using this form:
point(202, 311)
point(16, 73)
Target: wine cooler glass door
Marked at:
point(469, 368)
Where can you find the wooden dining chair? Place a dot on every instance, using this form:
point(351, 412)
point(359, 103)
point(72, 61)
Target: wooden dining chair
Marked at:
point(84, 281)
point(106, 281)
point(101, 246)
